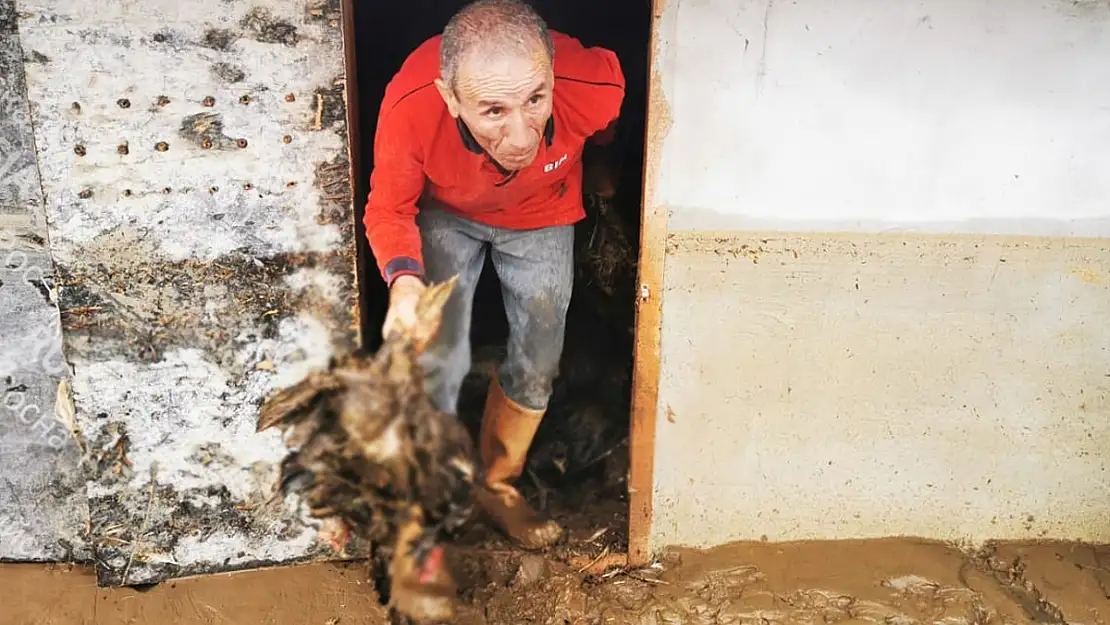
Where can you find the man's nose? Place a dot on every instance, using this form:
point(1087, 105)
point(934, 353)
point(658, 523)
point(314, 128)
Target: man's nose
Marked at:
point(518, 136)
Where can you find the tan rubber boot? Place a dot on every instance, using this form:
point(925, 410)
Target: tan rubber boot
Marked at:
point(506, 434)
point(425, 594)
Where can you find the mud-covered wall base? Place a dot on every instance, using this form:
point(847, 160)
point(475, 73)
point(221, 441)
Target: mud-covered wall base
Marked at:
point(42, 494)
point(194, 159)
point(832, 387)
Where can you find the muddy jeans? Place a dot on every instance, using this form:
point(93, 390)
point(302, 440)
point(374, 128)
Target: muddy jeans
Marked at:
point(536, 269)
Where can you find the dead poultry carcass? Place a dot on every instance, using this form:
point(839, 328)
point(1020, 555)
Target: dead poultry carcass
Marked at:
point(369, 450)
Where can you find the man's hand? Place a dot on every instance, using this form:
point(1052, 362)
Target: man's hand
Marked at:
point(403, 296)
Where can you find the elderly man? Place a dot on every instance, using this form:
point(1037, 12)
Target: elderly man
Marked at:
point(479, 147)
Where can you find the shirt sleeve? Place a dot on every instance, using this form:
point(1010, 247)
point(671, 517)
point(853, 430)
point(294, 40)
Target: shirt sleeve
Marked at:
point(610, 96)
point(396, 184)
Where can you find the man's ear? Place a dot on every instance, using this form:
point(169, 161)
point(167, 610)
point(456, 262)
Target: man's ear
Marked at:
point(449, 98)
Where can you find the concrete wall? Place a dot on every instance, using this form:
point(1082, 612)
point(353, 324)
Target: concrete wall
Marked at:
point(880, 314)
point(182, 179)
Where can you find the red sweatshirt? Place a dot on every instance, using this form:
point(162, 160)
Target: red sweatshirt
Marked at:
point(423, 154)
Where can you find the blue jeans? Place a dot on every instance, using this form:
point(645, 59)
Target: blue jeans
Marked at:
point(536, 270)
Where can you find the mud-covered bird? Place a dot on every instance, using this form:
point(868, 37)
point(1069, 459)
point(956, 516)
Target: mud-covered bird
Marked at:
point(368, 450)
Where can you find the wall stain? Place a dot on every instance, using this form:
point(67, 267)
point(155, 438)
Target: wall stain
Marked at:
point(262, 25)
point(126, 306)
point(326, 11)
point(206, 130)
point(228, 72)
point(219, 39)
point(331, 108)
point(197, 341)
point(1087, 274)
point(176, 515)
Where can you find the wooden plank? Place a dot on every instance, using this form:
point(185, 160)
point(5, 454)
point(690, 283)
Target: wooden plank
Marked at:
point(649, 312)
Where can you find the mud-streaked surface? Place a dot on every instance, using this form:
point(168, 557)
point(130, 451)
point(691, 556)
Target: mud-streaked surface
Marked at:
point(186, 166)
point(895, 582)
point(853, 386)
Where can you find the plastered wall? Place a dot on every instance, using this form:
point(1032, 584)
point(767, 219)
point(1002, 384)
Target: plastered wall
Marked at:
point(884, 293)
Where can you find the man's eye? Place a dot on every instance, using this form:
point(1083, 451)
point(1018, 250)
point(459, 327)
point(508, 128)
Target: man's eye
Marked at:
point(536, 99)
point(494, 111)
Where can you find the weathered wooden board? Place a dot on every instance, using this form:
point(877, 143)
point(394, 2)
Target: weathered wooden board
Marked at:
point(194, 160)
point(42, 495)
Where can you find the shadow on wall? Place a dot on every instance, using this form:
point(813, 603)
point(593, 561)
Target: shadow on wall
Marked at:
point(386, 32)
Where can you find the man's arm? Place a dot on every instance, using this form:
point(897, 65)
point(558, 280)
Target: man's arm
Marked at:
point(598, 155)
point(598, 168)
point(396, 184)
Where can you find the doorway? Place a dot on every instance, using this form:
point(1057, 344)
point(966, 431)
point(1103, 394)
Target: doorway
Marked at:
point(578, 465)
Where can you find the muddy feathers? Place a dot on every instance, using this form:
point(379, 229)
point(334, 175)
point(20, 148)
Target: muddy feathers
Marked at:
point(368, 448)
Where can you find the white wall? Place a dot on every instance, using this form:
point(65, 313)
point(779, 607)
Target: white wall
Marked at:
point(933, 115)
point(823, 378)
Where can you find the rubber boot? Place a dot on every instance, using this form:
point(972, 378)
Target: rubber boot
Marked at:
point(424, 593)
point(506, 434)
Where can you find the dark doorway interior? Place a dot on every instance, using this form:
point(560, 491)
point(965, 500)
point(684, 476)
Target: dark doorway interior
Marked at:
point(579, 462)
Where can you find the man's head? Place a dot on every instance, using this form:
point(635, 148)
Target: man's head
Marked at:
point(497, 74)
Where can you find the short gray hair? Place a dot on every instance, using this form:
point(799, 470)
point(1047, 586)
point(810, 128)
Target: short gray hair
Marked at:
point(496, 24)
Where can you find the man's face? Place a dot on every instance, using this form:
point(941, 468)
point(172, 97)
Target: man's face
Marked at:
point(505, 101)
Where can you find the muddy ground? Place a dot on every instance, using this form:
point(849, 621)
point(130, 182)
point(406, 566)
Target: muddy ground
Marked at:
point(892, 582)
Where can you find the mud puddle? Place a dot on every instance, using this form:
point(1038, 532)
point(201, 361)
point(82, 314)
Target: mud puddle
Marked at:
point(893, 582)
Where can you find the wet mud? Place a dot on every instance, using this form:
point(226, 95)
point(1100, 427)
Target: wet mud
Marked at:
point(892, 582)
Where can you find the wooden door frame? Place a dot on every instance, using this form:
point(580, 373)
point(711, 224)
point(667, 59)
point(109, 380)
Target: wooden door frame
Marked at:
point(649, 314)
point(649, 303)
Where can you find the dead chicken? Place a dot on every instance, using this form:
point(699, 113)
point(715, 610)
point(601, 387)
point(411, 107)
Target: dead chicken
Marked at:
point(369, 450)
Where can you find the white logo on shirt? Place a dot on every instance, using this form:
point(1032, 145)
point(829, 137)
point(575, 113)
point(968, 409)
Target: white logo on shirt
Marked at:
point(553, 165)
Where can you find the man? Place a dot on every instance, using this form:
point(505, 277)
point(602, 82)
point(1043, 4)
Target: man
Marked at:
point(479, 147)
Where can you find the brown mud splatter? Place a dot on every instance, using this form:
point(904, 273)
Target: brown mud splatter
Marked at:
point(119, 304)
point(262, 26)
point(133, 553)
point(229, 73)
point(326, 11)
point(333, 179)
point(206, 131)
point(880, 582)
point(219, 39)
point(331, 108)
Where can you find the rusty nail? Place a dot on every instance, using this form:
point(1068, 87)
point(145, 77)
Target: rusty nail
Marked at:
point(79, 150)
point(163, 100)
point(287, 139)
point(289, 97)
point(122, 148)
point(124, 103)
point(248, 186)
point(75, 107)
point(291, 184)
point(244, 99)
point(206, 144)
point(241, 143)
point(208, 101)
point(213, 189)
point(127, 192)
point(85, 194)
point(159, 37)
point(166, 190)
point(162, 146)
